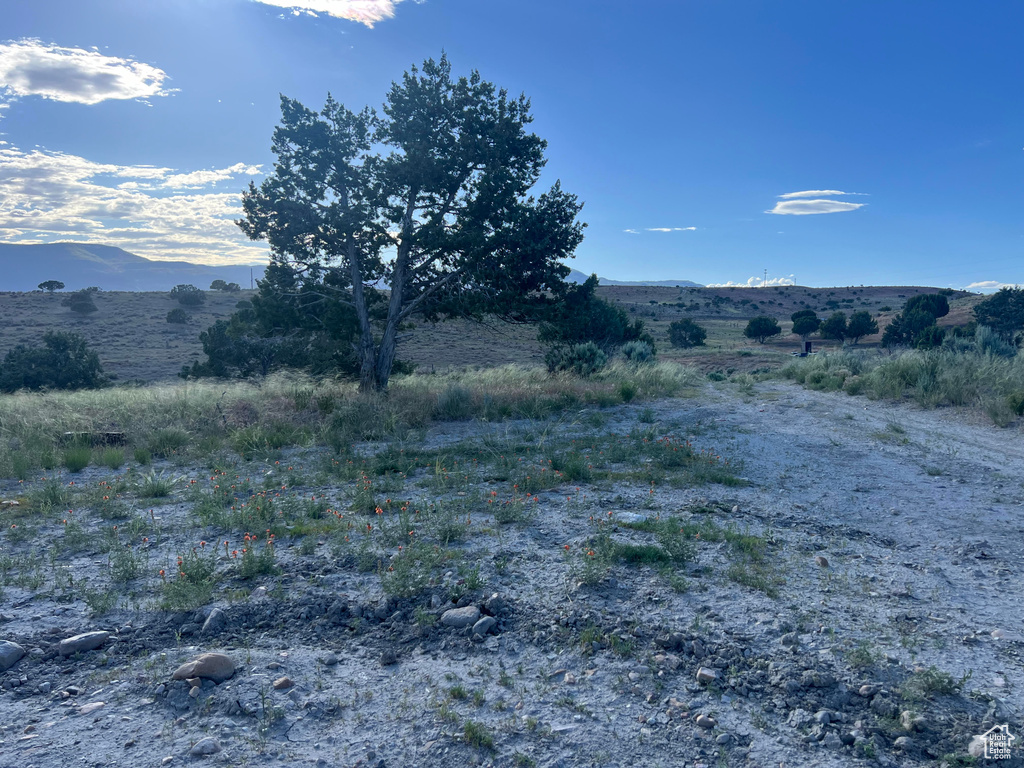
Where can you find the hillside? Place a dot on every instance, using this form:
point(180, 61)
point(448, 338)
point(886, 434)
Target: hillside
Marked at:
point(131, 333)
point(79, 265)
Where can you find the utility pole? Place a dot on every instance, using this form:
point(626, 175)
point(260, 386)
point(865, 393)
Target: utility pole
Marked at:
point(764, 283)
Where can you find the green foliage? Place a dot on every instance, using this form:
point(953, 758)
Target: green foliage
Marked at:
point(762, 328)
point(80, 302)
point(861, 324)
point(934, 304)
point(930, 337)
point(580, 316)
point(639, 352)
point(582, 359)
point(188, 295)
point(77, 457)
point(51, 285)
point(220, 285)
point(193, 585)
point(834, 327)
point(177, 316)
point(63, 362)
point(431, 198)
point(1003, 311)
point(805, 323)
point(686, 333)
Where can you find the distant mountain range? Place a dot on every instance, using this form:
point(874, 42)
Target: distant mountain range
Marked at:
point(575, 276)
point(80, 265)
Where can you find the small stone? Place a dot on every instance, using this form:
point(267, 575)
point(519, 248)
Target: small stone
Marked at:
point(274, 665)
point(194, 682)
point(911, 722)
point(258, 593)
point(88, 709)
point(215, 622)
point(461, 617)
point(330, 659)
point(44, 687)
point(706, 675)
point(705, 722)
point(210, 666)
point(283, 683)
point(194, 691)
point(10, 654)
point(821, 561)
point(485, 625)
point(569, 679)
point(167, 761)
point(904, 743)
point(998, 633)
point(832, 741)
point(129, 744)
point(867, 691)
point(790, 639)
point(723, 739)
point(977, 747)
point(207, 746)
point(495, 605)
point(88, 641)
point(388, 657)
point(823, 716)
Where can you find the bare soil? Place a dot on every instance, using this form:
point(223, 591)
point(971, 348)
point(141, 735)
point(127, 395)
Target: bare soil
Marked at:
point(885, 626)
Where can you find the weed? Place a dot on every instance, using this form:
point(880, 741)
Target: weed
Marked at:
point(156, 486)
point(76, 458)
point(477, 735)
point(112, 458)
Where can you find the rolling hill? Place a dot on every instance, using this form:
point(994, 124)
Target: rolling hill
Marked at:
point(79, 265)
point(575, 276)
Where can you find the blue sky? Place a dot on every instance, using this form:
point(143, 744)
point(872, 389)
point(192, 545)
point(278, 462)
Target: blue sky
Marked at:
point(830, 143)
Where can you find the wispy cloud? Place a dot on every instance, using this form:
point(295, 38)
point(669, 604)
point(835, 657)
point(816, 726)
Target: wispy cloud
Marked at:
point(755, 282)
point(818, 193)
point(49, 196)
point(367, 12)
point(30, 67)
point(660, 229)
point(797, 204)
point(989, 286)
point(805, 207)
point(631, 231)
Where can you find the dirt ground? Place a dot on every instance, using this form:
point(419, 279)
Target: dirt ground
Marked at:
point(885, 627)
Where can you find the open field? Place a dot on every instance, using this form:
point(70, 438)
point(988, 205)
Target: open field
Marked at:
point(503, 568)
point(131, 334)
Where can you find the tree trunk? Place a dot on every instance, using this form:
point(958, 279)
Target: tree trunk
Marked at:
point(389, 339)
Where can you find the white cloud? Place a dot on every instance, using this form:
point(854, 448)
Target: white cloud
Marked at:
point(671, 229)
point(367, 12)
point(805, 207)
point(30, 67)
point(50, 196)
point(989, 286)
point(755, 282)
point(631, 231)
point(818, 193)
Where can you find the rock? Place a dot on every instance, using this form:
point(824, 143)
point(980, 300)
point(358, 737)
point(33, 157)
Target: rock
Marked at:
point(790, 639)
point(630, 517)
point(832, 741)
point(10, 654)
point(705, 675)
point(998, 634)
point(884, 707)
point(485, 625)
point(904, 743)
point(215, 622)
point(705, 722)
point(977, 747)
point(388, 657)
point(723, 739)
point(461, 617)
point(88, 709)
point(44, 687)
point(867, 691)
point(330, 659)
point(283, 683)
point(823, 716)
point(495, 605)
point(821, 561)
point(89, 641)
point(207, 746)
point(194, 692)
point(911, 722)
point(209, 666)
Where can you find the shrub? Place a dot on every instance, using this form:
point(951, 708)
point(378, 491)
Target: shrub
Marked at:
point(580, 316)
point(805, 323)
point(762, 328)
point(63, 362)
point(582, 359)
point(1003, 311)
point(177, 316)
point(834, 327)
point(188, 295)
point(639, 352)
point(77, 458)
point(860, 324)
point(685, 334)
point(80, 302)
point(220, 285)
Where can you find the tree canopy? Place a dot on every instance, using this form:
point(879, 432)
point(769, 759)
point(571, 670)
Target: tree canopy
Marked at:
point(762, 328)
point(913, 326)
point(428, 202)
point(1003, 312)
point(51, 285)
point(834, 327)
point(686, 333)
point(63, 362)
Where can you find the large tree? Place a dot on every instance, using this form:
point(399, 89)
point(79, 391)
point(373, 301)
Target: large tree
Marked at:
point(428, 201)
point(1002, 312)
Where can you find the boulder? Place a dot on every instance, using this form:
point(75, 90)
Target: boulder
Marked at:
point(210, 666)
point(461, 617)
point(88, 641)
point(10, 654)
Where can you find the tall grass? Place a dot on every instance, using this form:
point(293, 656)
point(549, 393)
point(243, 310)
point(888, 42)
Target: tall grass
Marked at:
point(182, 419)
point(934, 378)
